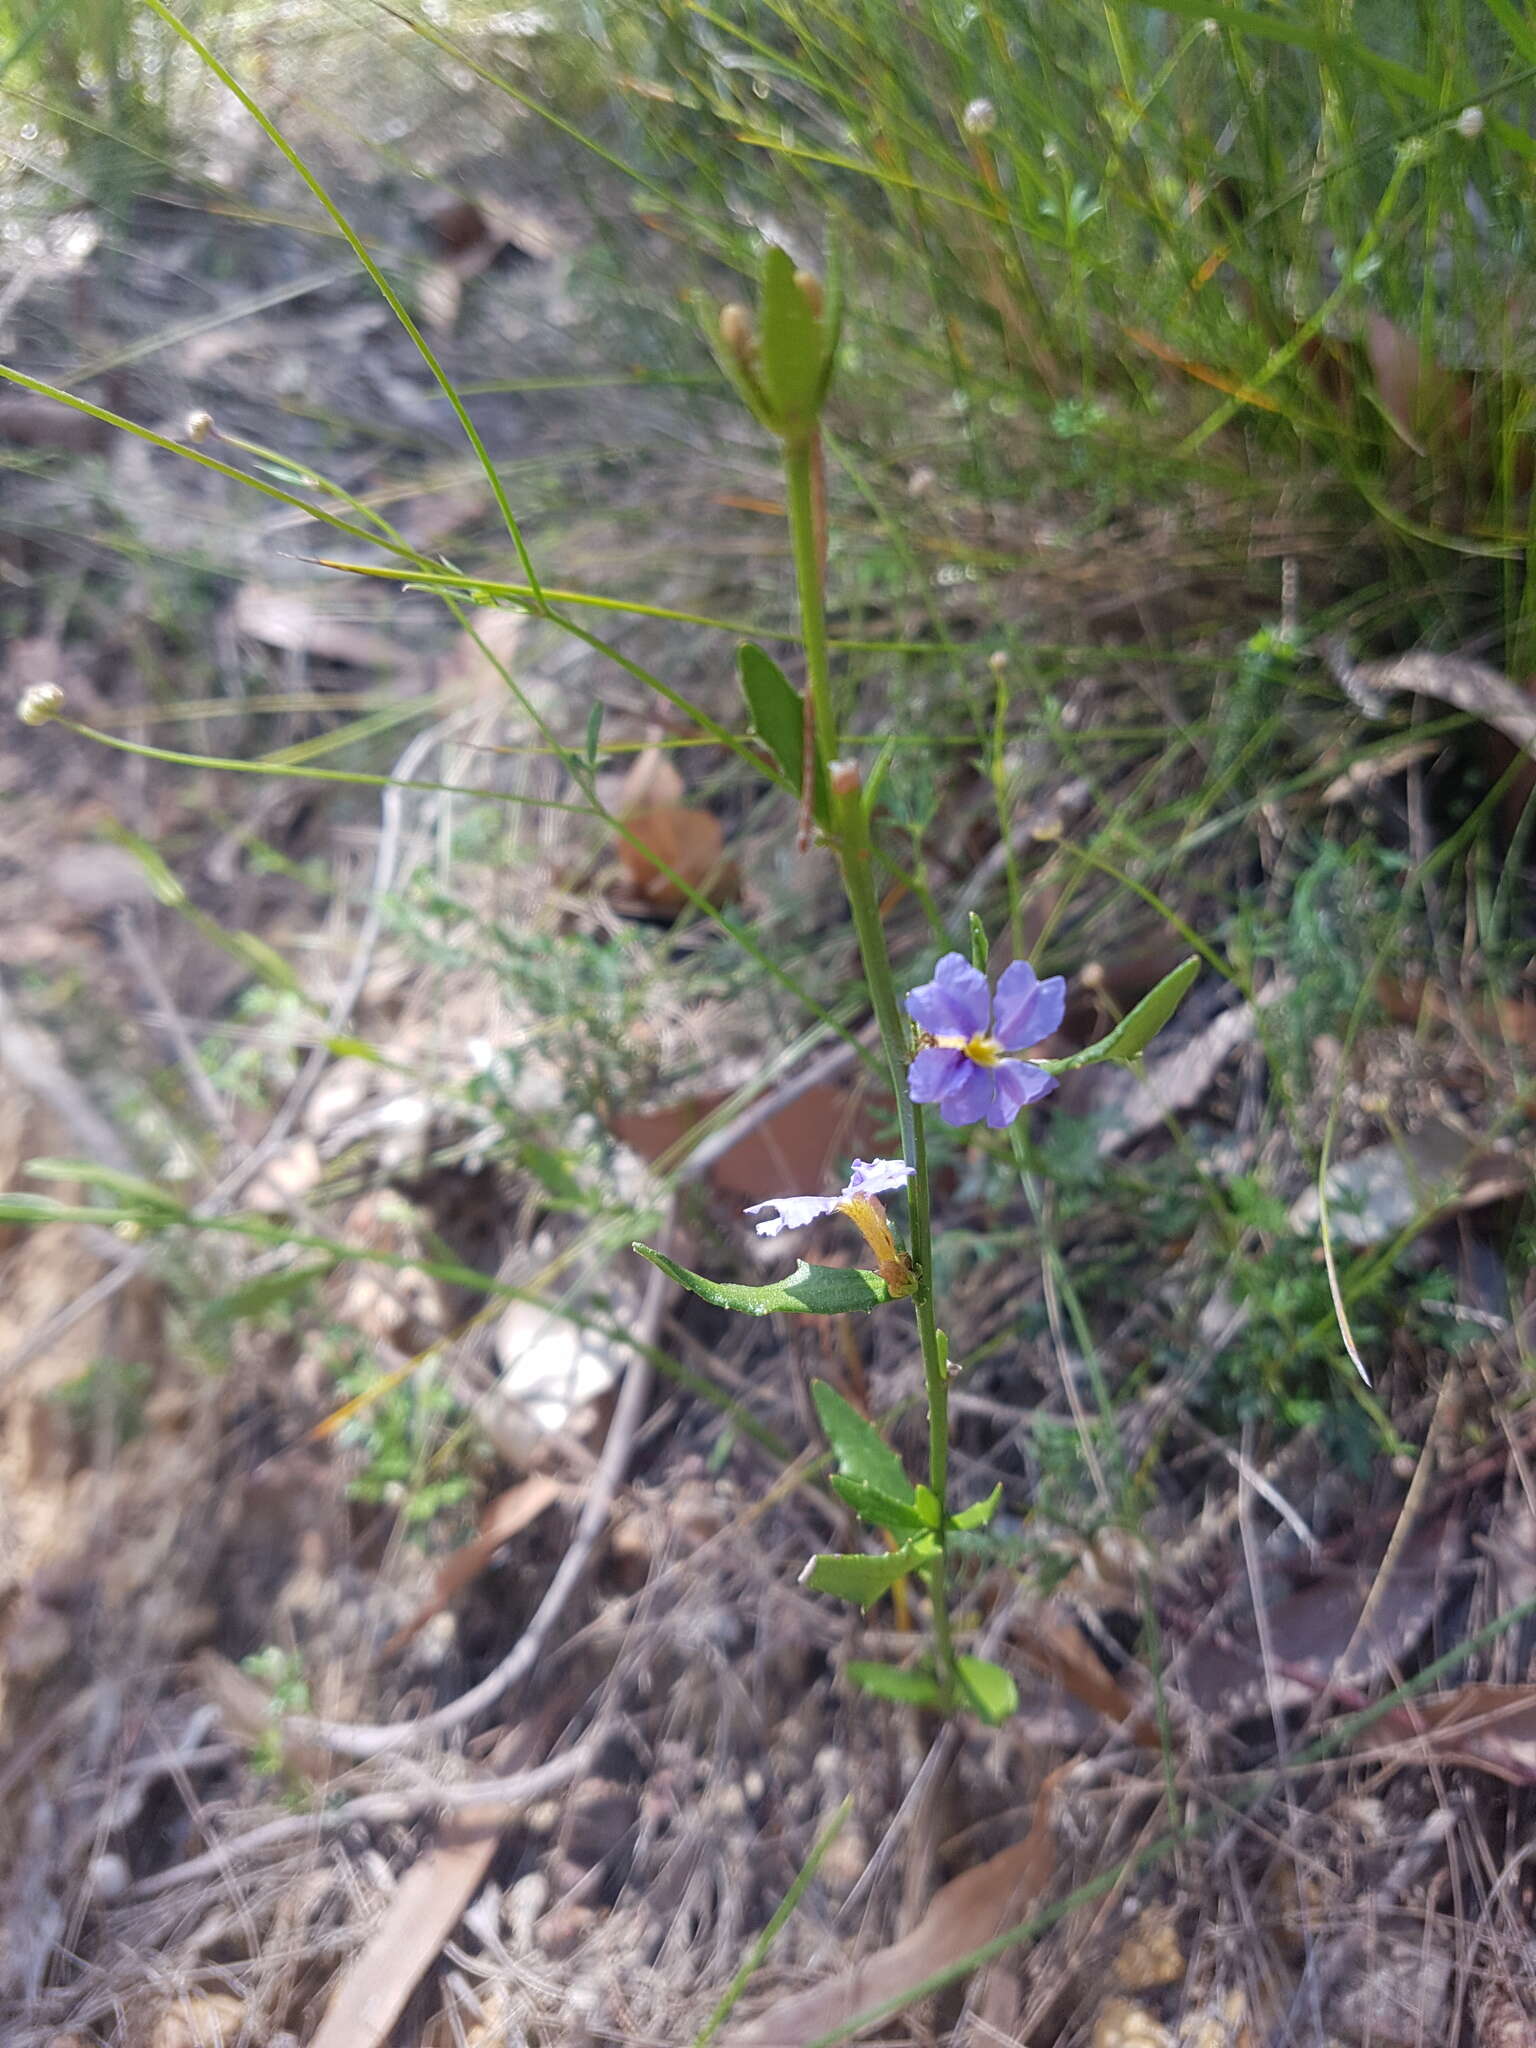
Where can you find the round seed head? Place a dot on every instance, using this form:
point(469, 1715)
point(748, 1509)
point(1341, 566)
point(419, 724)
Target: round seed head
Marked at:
point(40, 703)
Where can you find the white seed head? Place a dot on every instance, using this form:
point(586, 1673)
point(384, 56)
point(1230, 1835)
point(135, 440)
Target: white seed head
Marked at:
point(997, 661)
point(199, 425)
point(979, 118)
point(1469, 123)
point(40, 703)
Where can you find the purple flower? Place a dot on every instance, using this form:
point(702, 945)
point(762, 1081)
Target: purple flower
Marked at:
point(969, 1061)
point(869, 1177)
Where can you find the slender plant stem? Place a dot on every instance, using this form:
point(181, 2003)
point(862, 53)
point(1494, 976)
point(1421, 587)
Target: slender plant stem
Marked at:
point(856, 859)
point(802, 460)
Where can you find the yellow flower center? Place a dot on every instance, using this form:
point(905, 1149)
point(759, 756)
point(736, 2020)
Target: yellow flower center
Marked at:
point(982, 1047)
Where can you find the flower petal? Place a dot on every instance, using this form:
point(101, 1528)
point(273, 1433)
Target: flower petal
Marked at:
point(877, 1177)
point(1018, 1083)
point(1028, 1009)
point(968, 1098)
point(955, 1003)
point(795, 1211)
point(936, 1068)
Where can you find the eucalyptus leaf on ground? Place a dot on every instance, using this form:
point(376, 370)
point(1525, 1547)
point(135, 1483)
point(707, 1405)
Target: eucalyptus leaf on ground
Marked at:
point(808, 1291)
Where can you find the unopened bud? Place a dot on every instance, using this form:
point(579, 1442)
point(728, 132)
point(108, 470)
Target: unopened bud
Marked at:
point(128, 1230)
point(1469, 123)
point(808, 285)
point(843, 777)
point(40, 703)
point(997, 661)
point(736, 329)
point(199, 425)
point(1092, 977)
point(979, 118)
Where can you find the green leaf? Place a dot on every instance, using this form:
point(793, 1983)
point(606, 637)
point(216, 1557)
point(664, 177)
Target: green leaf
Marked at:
point(886, 1682)
point(130, 1191)
point(264, 961)
point(879, 1509)
point(791, 351)
point(809, 1290)
point(980, 944)
point(269, 1290)
point(1134, 1033)
point(978, 1516)
point(35, 1209)
point(863, 1579)
point(594, 734)
point(166, 887)
point(928, 1507)
point(989, 1687)
point(356, 1049)
point(863, 1455)
point(777, 713)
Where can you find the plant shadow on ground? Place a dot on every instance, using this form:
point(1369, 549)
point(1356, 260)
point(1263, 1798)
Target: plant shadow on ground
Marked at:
point(1158, 371)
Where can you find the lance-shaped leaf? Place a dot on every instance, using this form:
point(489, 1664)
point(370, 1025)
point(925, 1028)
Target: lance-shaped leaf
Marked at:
point(862, 1452)
point(978, 1515)
point(880, 1510)
point(808, 1291)
point(129, 1190)
point(1136, 1031)
point(887, 1682)
point(863, 1579)
point(778, 719)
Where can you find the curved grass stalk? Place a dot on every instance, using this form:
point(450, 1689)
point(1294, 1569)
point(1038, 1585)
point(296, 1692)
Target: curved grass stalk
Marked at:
point(381, 283)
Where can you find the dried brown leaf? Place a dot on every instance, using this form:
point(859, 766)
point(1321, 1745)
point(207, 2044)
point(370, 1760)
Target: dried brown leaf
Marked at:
point(509, 1514)
point(1470, 686)
point(689, 843)
point(966, 1914)
point(427, 1905)
point(651, 783)
point(1432, 1172)
point(1311, 1630)
point(1058, 1649)
point(1490, 1728)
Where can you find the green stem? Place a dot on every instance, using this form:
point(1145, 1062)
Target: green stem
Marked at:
point(802, 459)
point(802, 456)
point(858, 881)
